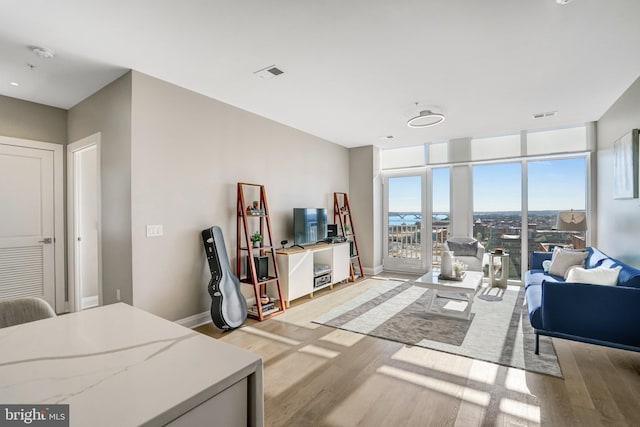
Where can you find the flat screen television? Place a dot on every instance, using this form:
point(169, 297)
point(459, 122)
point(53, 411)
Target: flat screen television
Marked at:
point(309, 225)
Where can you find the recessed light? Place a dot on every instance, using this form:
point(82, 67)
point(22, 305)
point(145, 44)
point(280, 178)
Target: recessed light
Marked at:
point(43, 52)
point(16, 84)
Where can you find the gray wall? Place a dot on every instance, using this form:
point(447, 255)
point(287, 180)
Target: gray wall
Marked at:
point(365, 199)
point(27, 120)
point(109, 112)
point(187, 154)
point(618, 220)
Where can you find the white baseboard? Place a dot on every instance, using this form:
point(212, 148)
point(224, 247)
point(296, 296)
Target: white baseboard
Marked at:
point(88, 302)
point(372, 271)
point(195, 320)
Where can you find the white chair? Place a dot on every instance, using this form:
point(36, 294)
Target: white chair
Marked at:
point(23, 310)
point(462, 248)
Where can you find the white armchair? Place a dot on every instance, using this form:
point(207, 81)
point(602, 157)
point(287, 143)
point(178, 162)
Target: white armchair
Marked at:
point(466, 250)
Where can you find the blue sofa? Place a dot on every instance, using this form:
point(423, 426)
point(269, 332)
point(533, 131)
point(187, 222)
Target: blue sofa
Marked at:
point(597, 314)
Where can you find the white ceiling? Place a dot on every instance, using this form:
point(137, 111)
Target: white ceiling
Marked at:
point(353, 69)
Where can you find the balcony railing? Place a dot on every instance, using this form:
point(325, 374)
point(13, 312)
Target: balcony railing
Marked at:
point(405, 241)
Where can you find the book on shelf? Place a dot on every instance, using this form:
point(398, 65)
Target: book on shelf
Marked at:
point(266, 308)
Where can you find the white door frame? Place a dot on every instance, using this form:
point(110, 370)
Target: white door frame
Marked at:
point(75, 297)
point(411, 266)
point(58, 212)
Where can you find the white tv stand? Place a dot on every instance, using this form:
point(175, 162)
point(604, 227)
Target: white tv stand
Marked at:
point(296, 268)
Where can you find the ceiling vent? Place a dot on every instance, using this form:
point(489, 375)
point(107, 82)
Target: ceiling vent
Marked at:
point(545, 115)
point(269, 72)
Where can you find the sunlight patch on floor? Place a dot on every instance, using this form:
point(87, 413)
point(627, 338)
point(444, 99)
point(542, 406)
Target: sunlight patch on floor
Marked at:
point(369, 404)
point(319, 351)
point(289, 371)
point(274, 337)
point(521, 410)
point(516, 380)
point(467, 394)
point(483, 372)
point(343, 338)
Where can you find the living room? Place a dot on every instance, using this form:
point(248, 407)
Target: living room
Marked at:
point(172, 155)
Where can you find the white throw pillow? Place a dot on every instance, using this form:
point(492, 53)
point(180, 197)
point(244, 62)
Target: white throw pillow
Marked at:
point(562, 259)
point(598, 275)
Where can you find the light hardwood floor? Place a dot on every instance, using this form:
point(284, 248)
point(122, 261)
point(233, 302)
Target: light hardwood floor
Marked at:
point(320, 376)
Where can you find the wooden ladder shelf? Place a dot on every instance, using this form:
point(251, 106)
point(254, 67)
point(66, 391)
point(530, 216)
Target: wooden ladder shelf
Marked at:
point(342, 217)
point(254, 218)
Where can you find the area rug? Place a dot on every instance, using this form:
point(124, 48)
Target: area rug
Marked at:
point(498, 331)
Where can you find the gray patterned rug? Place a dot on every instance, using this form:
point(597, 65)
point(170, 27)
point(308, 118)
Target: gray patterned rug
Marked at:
point(498, 331)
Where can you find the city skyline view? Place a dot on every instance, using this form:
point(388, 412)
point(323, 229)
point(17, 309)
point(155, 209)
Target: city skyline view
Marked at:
point(553, 185)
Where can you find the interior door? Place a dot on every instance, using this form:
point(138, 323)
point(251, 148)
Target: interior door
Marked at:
point(405, 240)
point(27, 223)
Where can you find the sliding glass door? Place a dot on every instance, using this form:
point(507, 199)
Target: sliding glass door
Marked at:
point(405, 242)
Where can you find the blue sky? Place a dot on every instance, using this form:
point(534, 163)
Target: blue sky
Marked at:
point(553, 185)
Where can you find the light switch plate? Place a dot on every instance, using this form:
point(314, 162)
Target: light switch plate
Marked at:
point(154, 230)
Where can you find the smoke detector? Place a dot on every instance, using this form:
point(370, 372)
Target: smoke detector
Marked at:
point(43, 52)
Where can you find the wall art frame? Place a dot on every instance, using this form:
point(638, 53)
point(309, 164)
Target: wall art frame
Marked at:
point(625, 166)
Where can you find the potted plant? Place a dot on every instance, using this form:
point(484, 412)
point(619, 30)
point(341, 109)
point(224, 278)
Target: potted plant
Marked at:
point(459, 268)
point(256, 238)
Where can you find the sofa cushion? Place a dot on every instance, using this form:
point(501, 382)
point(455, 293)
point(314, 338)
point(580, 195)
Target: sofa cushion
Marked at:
point(595, 258)
point(533, 296)
point(463, 248)
point(598, 275)
point(562, 259)
point(536, 277)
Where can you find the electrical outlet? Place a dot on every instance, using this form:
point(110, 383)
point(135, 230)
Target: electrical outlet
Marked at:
point(154, 230)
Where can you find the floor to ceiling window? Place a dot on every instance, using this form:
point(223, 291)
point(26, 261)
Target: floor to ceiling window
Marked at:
point(497, 210)
point(557, 186)
point(507, 191)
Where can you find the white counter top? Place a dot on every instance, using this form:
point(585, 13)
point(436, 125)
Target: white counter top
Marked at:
point(120, 366)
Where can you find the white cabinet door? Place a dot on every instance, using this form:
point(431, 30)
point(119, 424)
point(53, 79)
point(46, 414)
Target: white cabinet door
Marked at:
point(296, 274)
point(340, 262)
point(27, 223)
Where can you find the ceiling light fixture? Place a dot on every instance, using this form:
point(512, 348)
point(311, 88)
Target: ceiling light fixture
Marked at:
point(43, 52)
point(425, 119)
point(563, 1)
point(16, 84)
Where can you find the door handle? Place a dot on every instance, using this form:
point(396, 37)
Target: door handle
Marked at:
point(46, 240)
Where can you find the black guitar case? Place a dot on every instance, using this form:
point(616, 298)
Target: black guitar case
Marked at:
point(228, 306)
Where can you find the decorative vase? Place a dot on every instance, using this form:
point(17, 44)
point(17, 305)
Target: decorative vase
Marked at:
point(446, 264)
